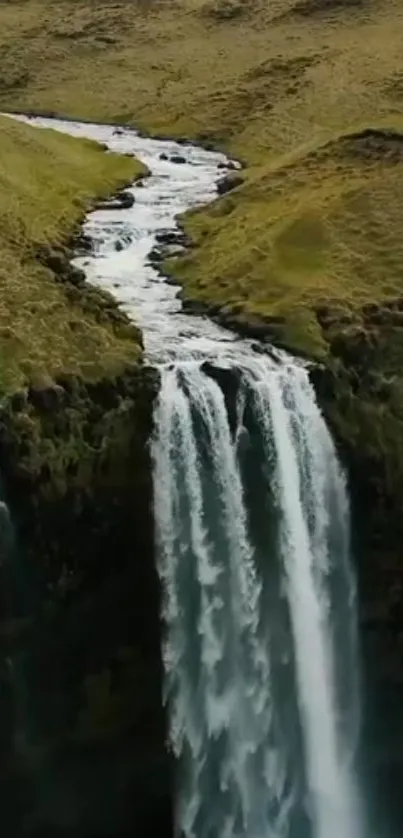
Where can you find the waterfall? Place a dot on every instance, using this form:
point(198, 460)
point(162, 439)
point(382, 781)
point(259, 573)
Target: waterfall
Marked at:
point(260, 647)
point(252, 522)
point(313, 538)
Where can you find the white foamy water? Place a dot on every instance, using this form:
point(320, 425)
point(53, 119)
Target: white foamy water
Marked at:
point(243, 773)
point(128, 274)
point(252, 526)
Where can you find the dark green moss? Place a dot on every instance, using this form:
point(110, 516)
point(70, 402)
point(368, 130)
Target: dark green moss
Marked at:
point(80, 609)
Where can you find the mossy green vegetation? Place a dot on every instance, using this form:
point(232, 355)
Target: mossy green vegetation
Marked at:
point(321, 229)
point(80, 600)
point(307, 93)
point(47, 181)
point(290, 88)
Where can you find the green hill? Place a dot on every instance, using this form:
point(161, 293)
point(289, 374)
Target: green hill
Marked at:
point(47, 180)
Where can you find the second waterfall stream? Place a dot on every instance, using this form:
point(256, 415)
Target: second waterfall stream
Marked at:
point(260, 656)
point(252, 523)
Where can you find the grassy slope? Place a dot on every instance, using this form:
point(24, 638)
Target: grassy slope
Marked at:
point(285, 85)
point(281, 84)
point(46, 181)
point(322, 231)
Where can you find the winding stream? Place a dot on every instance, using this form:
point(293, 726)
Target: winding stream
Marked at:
point(253, 530)
point(128, 273)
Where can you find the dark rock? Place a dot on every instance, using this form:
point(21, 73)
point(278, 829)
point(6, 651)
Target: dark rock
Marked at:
point(123, 200)
point(57, 262)
point(312, 8)
point(82, 243)
point(166, 237)
point(266, 349)
point(228, 380)
point(70, 383)
point(399, 304)
point(126, 200)
point(383, 315)
point(172, 280)
point(196, 307)
point(360, 395)
point(369, 309)
point(166, 251)
point(249, 325)
point(228, 166)
point(173, 237)
point(77, 475)
point(329, 316)
point(104, 393)
point(47, 399)
point(18, 401)
point(171, 250)
point(177, 158)
point(76, 276)
point(324, 382)
point(163, 156)
point(354, 346)
point(124, 241)
point(156, 255)
point(228, 183)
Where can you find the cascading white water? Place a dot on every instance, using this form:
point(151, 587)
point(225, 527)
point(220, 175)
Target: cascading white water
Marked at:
point(313, 504)
point(224, 656)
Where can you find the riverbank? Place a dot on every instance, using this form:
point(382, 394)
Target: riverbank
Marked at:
point(48, 182)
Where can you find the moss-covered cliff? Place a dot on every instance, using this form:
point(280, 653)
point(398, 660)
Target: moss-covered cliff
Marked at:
point(80, 611)
point(47, 183)
point(360, 390)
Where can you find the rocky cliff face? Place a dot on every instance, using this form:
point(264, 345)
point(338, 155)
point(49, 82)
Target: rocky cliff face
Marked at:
point(82, 726)
point(361, 394)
